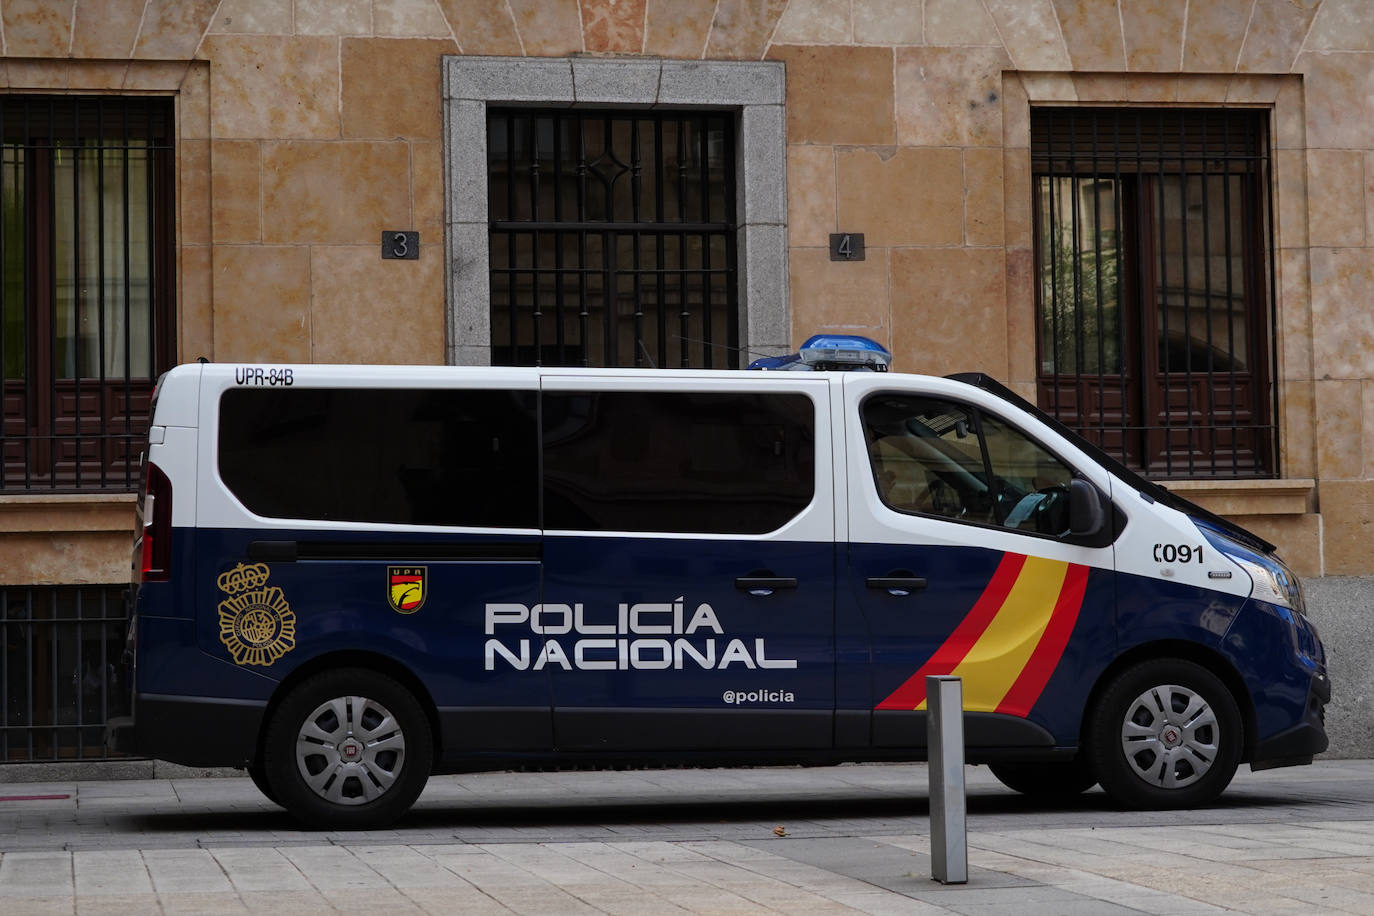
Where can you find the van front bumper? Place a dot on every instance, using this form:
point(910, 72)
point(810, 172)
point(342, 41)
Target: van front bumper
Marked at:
point(1297, 745)
point(192, 731)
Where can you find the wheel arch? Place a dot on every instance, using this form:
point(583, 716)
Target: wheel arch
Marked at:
point(1164, 650)
point(353, 658)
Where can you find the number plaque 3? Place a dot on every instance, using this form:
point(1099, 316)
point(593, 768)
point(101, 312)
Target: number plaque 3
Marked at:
point(400, 246)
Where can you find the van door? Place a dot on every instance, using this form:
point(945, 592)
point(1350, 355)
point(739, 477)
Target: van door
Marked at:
point(689, 562)
point(960, 562)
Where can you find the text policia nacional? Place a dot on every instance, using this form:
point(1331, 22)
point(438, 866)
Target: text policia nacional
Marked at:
point(637, 639)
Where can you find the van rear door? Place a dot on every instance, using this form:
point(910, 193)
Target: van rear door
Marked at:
point(689, 558)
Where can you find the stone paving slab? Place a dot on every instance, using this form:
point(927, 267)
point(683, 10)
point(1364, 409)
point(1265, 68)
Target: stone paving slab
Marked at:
point(854, 839)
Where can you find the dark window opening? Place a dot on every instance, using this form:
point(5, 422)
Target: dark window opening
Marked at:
point(86, 297)
point(388, 456)
point(733, 463)
point(1153, 240)
point(612, 238)
point(728, 463)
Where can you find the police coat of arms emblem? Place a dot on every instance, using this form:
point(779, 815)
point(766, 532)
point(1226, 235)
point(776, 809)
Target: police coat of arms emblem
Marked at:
point(256, 624)
point(406, 587)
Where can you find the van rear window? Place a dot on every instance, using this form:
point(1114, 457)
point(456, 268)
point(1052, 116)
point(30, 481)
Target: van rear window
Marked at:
point(691, 462)
point(399, 456)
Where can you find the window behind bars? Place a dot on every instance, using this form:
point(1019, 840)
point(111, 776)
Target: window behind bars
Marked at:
point(1153, 233)
point(612, 238)
point(86, 214)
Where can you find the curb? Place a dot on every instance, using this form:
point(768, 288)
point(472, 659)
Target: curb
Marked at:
point(74, 771)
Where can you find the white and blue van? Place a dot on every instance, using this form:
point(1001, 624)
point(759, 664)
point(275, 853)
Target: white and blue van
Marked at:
point(348, 578)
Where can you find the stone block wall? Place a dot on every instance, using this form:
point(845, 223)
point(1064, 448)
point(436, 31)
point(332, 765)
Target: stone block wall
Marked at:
point(309, 126)
point(1343, 610)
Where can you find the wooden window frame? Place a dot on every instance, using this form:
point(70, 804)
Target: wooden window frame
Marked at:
point(83, 431)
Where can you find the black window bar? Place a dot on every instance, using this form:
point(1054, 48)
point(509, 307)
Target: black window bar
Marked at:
point(613, 238)
point(1153, 248)
point(86, 297)
point(61, 677)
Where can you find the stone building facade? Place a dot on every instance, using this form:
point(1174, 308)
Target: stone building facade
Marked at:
point(301, 130)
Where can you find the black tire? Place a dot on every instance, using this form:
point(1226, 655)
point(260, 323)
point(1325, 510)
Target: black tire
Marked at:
point(1046, 778)
point(258, 774)
point(348, 749)
point(1184, 733)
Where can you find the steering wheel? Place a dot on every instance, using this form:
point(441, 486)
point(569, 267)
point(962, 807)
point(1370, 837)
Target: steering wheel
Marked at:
point(1051, 513)
point(945, 500)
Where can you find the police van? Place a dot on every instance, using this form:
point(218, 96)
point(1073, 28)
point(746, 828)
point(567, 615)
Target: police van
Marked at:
point(348, 578)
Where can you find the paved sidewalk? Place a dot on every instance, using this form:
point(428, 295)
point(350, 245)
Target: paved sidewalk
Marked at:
point(855, 839)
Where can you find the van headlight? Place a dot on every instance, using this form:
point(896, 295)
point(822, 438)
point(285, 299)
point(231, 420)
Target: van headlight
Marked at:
point(1271, 579)
point(1273, 582)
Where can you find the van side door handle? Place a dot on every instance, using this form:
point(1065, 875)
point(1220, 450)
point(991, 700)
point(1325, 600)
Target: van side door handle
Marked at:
point(763, 586)
point(898, 585)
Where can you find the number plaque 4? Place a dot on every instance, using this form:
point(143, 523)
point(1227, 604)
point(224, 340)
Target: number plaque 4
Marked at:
point(846, 246)
point(400, 246)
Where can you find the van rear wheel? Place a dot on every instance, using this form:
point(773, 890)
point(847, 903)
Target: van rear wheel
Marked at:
point(348, 749)
point(1165, 734)
point(1046, 778)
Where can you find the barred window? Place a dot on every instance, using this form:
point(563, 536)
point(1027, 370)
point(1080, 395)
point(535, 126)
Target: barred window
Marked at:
point(1153, 235)
point(612, 238)
point(86, 297)
point(61, 671)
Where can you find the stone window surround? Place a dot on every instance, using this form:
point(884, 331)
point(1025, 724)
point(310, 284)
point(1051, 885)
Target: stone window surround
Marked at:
point(1279, 509)
point(755, 90)
point(1282, 96)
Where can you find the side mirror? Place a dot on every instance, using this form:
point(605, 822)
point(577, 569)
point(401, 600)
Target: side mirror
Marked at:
point(1087, 510)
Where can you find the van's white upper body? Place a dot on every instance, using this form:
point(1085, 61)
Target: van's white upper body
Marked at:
point(846, 508)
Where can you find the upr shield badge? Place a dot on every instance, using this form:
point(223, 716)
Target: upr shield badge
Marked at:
point(256, 624)
point(406, 587)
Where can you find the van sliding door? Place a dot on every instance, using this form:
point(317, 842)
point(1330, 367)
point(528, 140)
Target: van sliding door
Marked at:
point(689, 555)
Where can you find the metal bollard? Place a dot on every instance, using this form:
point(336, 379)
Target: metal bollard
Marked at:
point(945, 750)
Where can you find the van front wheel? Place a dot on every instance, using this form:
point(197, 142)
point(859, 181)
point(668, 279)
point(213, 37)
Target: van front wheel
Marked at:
point(1165, 734)
point(348, 749)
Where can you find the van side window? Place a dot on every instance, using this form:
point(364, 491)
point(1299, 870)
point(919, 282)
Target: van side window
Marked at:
point(691, 462)
point(399, 456)
point(937, 457)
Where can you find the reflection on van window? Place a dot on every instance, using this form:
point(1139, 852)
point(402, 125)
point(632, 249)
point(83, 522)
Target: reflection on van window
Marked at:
point(399, 456)
point(726, 463)
point(936, 457)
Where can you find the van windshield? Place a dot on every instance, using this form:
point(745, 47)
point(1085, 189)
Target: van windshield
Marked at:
point(1147, 487)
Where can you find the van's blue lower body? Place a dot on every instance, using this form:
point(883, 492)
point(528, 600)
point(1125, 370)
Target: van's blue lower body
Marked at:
point(576, 650)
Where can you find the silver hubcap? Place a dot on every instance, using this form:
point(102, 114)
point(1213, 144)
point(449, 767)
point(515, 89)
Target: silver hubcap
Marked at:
point(350, 750)
point(1170, 736)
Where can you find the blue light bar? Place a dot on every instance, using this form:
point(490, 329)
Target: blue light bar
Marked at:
point(838, 352)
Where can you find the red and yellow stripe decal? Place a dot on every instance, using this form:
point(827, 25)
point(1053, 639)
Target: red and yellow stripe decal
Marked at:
point(1009, 644)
